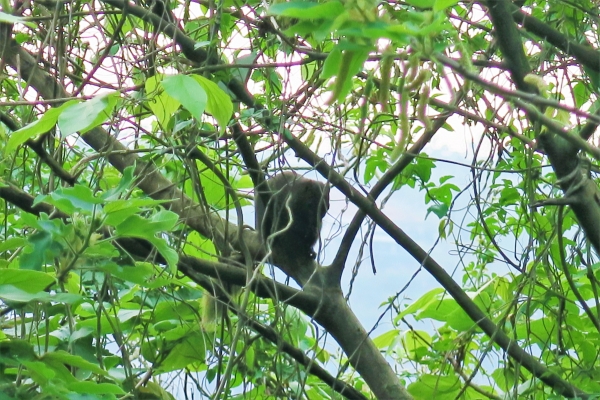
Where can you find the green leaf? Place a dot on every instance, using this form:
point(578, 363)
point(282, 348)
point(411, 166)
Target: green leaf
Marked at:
point(146, 228)
point(441, 210)
point(423, 168)
point(168, 253)
point(436, 386)
point(104, 325)
point(163, 106)
point(459, 319)
point(332, 63)
point(142, 274)
point(39, 372)
point(188, 351)
point(505, 378)
point(62, 356)
point(442, 226)
point(446, 178)
point(118, 211)
point(421, 304)
point(242, 74)
point(12, 243)
point(152, 390)
point(307, 10)
point(218, 104)
point(41, 247)
point(441, 5)
point(541, 331)
point(508, 196)
point(71, 199)
point(62, 374)
point(12, 293)
point(164, 326)
point(439, 309)
point(17, 349)
point(581, 94)
point(26, 280)
point(84, 116)
point(214, 191)
point(198, 246)
point(135, 226)
point(163, 221)
point(39, 127)
point(79, 333)
point(422, 3)
point(187, 91)
point(124, 184)
point(427, 29)
point(384, 340)
point(416, 343)
point(95, 388)
point(167, 310)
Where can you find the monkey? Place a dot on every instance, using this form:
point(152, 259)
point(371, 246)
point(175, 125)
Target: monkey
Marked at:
point(289, 214)
point(289, 210)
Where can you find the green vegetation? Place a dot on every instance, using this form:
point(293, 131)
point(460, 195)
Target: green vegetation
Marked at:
point(133, 134)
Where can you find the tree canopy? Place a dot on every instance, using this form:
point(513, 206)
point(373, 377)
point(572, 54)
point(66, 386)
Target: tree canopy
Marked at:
point(134, 133)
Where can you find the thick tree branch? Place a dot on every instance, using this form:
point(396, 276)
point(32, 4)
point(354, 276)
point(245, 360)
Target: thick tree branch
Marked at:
point(539, 370)
point(561, 148)
point(509, 41)
point(586, 55)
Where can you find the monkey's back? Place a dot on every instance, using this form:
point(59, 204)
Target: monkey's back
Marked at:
point(291, 221)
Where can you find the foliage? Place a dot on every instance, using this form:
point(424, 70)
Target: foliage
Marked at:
point(133, 135)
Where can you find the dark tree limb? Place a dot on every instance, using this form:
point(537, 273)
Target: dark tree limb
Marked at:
point(561, 153)
point(509, 41)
